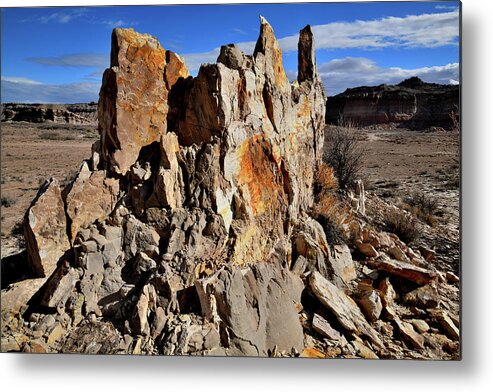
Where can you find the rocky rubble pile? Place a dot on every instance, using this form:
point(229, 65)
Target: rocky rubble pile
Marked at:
point(190, 229)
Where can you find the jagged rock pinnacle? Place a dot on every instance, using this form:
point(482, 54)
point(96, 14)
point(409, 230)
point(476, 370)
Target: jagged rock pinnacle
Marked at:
point(306, 55)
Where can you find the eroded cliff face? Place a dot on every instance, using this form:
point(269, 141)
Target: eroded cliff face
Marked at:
point(83, 113)
point(196, 189)
point(412, 103)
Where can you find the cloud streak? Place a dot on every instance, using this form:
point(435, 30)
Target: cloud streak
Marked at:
point(60, 17)
point(412, 31)
point(96, 60)
point(339, 74)
point(19, 89)
point(80, 14)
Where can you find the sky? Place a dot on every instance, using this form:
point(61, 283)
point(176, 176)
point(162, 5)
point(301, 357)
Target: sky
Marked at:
point(58, 54)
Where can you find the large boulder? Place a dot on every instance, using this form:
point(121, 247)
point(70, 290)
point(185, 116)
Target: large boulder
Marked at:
point(258, 307)
point(45, 229)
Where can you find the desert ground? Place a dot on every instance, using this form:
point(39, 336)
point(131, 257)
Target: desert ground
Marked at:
point(400, 163)
point(397, 163)
point(32, 153)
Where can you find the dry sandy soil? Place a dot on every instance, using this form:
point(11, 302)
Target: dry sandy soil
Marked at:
point(31, 153)
point(397, 163)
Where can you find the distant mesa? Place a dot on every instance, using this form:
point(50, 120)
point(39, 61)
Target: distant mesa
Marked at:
point(77, 113)
point(412, 103)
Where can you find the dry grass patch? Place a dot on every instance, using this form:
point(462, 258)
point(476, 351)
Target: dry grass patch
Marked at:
point(402, 224)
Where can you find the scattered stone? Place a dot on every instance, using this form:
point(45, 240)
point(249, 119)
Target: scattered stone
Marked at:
point(323, 327)
point(371, 304)
point(18, 294)
point(37, 346)
point(387, 293)
point(343, 307)
point(409, 334)
point(421, 325)
point(93, 338)
point(408, 271)
point(398, 254)
point(261, 295)
point(442, 317)
point(385, 240)
point(363, 350)
point(55, 334)
point(451, 277)
point(424, 297)
point(312, 352)
point(366, 249)
point(427, 253)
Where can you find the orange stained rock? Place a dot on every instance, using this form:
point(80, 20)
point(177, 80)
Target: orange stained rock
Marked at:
point(311, 352)
point(259, 171)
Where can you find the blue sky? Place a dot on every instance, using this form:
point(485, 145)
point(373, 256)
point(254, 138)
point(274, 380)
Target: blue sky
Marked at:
point(57, 54)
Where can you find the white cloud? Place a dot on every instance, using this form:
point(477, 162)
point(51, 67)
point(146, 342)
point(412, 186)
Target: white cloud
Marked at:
point(81, 14)
point(446, 7)
point(412, 31)
point(19, 89)
point(425, 31)
point(61, 17)
point(115, 23)
point(97, 60)
point(348, 72)
point(19, 79)
point(240, 31)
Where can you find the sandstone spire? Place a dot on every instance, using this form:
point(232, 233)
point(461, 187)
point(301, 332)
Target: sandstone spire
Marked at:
point(306, 55)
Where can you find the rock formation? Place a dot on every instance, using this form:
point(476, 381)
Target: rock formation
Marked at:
point(412, 104)
point(80, 113)
point(190, 229)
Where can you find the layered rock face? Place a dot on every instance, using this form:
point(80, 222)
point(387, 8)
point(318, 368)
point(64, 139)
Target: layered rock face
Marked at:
point(412, 103)
point(194, 197)
point(83, 113)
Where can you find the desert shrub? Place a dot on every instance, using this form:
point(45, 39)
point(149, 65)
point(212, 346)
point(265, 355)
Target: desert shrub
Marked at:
point(332, 229)
point(324, 179)
point(405, 226)
point(55, 136)
point(346, 122)
point(422, 206)
point(344, 154)
point(7, 201)
point(333, 213)
point(455, 119)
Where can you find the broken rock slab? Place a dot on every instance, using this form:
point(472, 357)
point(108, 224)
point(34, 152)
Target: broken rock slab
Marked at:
point(405, 270)
point(343, 307)
point(371, 304)
point(423, 297)
point(45, 229)
point(443, 318)
point(257, 305)
point(323, 327)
